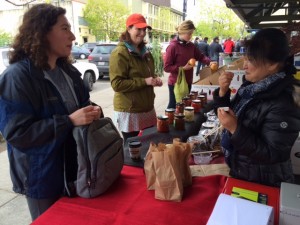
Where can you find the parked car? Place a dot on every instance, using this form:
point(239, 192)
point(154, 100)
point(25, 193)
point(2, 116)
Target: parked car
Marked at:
point(89, 45)
point(79, 52)
point(89, 73)
point(3, 59)
point(100, 57)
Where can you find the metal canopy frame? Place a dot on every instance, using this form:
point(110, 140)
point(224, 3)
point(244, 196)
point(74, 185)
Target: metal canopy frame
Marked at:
point(257, 14)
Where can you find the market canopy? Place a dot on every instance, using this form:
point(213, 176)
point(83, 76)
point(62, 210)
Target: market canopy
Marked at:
point(257, 14)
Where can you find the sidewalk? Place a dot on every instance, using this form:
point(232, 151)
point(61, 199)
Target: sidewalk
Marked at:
point(13, 207)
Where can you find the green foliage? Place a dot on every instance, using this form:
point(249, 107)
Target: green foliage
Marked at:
point(218, 20)
point(157, 56)
point(106, 18)
point(5, 39)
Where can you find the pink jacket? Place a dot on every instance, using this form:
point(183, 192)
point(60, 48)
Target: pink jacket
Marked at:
point(178, 54)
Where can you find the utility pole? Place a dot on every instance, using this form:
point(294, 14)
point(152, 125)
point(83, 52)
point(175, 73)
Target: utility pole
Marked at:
point(184, 9)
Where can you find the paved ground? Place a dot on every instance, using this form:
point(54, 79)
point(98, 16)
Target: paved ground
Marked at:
point(13, 207)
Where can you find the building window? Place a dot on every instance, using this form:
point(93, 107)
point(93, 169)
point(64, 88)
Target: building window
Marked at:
point(79, 30)
point(150, 9)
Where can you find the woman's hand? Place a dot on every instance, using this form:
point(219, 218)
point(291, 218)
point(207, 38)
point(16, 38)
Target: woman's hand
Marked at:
point(85, 115)
point(158, 82)
point(227, 119)
point(187, 67)
point(224, 82)
point(151, 81)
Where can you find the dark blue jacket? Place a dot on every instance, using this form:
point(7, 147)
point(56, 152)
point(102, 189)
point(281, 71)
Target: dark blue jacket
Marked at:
point(214, 50)
point(35, 123)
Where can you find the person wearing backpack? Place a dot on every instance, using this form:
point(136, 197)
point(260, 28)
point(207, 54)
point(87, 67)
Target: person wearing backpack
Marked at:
point(42, 98)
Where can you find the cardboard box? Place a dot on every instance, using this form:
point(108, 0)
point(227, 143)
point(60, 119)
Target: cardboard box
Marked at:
point(230, 210)
point(273, 193)
point(209, 82)
point(289, 204)
point(209, 89)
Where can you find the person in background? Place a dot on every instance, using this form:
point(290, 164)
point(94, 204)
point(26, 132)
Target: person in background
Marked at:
point(204, 48)
point(179, 52)
point(239, 44)
point(214, 49)
point(196, 41)
point(228, 46)
point(42, 98)
point(263, 120)
point(132, 77)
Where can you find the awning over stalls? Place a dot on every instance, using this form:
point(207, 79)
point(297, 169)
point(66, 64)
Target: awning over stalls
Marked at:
point(258, 14)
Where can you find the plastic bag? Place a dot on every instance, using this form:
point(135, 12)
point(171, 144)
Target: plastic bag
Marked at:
point(181, 88)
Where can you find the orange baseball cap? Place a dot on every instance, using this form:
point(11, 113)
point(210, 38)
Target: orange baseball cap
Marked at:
point(138, 20)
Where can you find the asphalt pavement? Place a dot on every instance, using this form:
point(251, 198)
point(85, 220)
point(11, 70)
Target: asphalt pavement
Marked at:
point(13, 207)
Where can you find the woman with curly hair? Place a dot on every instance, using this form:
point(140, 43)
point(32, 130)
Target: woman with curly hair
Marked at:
point(42, 97)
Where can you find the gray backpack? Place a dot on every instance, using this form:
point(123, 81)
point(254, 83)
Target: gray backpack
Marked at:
point(100, 157)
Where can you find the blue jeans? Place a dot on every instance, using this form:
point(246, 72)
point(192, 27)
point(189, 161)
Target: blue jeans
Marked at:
point(199, 66)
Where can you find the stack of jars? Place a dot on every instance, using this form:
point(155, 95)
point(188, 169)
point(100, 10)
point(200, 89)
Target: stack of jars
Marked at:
point(184, 112)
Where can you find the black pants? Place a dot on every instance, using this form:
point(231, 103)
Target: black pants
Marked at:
point(172, 99)
point(38, 206)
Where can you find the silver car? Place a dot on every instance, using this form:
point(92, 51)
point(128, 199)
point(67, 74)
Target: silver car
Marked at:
point(100, 57)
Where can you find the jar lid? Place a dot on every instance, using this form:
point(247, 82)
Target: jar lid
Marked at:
point(163, 117)
point(170, 110)
point(180, 103)
point(135, 144)
point(189, 108)
point(194, 92)
point(196, 100)
point(186, 98)
point(201, 96)
point(209, 124)
point(179, 115)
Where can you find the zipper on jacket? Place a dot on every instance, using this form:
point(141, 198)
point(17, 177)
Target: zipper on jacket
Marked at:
point(145, 59)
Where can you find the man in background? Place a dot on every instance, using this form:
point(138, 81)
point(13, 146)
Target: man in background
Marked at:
point(214, 49)
point(204, 48)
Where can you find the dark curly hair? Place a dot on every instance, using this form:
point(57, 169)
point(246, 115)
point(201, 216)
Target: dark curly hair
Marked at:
point(31, 41)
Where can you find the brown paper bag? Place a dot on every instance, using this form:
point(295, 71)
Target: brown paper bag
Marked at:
point(168, 183)
point(149, 167)
point(183, 152)
point(167, 169)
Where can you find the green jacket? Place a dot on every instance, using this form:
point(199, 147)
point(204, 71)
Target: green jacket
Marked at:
point(127, 72)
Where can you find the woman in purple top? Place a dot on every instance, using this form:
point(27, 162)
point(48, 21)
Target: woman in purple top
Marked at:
point(178, 53)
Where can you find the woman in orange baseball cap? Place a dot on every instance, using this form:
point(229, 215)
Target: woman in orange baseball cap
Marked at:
point(132, 77)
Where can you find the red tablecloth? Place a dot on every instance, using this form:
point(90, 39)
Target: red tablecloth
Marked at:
point(128, 202)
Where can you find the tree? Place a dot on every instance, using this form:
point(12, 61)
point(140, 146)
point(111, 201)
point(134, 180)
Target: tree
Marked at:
point(218, 20)
point(158, 60)
point(106, 18)
point(5, 38)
